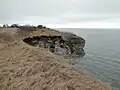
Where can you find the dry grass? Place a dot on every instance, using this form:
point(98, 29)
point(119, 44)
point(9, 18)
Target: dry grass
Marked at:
point(23, 67)
point(48, 32)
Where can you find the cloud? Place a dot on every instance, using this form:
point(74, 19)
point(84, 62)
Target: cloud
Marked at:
point(109, 23)
point(58, 11)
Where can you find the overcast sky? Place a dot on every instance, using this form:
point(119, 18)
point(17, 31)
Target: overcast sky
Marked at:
point(62, 13)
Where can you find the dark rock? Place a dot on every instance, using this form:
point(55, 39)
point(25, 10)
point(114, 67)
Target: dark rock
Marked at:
point(52, 48)
point(76, 43)
point(40, 26)
point(15, 26)
point(66, 44)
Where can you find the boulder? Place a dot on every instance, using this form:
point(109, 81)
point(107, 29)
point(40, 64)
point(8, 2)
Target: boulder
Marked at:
point(40, 26)
point(15, 26)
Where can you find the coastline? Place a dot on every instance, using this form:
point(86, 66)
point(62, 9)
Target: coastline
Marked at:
point(25, 67)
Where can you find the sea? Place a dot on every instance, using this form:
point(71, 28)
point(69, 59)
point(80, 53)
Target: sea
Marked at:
point(102, 59)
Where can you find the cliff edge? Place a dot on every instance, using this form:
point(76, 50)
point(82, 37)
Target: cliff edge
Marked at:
point(33, 67)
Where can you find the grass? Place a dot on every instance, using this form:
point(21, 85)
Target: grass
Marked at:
point(23, 67)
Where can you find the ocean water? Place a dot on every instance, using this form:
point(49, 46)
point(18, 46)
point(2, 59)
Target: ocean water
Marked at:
point(102, 57)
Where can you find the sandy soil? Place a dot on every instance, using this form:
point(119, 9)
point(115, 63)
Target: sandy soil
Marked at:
point(23, 67)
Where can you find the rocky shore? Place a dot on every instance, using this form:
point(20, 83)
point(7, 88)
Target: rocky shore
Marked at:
point(34, 61)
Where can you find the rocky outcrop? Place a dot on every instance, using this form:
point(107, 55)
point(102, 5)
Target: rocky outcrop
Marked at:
point(75, 42)
point(15, 26)
point(41, 26)
point(65, 44)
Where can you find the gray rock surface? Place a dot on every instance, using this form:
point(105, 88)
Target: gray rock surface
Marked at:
point(75, 42)
point(65, 44)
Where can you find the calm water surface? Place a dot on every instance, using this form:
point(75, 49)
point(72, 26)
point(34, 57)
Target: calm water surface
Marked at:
point(102, 54)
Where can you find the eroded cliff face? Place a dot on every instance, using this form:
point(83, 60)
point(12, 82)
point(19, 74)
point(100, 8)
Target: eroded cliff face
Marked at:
point(77, 43)
point(66, 44)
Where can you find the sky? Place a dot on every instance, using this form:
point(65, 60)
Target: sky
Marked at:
point(62, 13)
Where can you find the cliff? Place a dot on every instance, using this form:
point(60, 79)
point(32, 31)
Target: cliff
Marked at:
point(33, 67)
point(66, 44)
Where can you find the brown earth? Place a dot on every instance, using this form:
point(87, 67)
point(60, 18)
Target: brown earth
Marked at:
point(23, 67)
